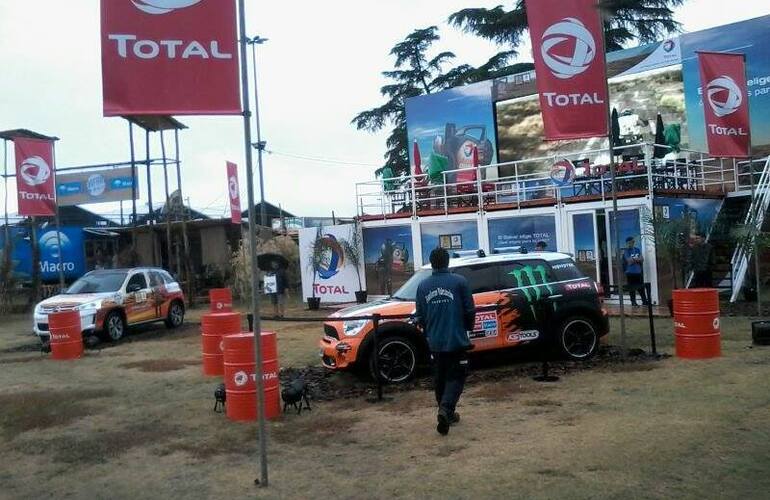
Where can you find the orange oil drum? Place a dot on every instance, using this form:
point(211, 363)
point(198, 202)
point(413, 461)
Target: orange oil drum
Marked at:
point(213, 327)
point(240, 378)
point(66, 335)
point(220, 300)
point(696, 323)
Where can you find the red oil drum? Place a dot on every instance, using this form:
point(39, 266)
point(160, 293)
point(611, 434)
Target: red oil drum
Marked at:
point(696, 323)
point(220, 300)
point(213, 327)
point(66, 336)
point(240, 378)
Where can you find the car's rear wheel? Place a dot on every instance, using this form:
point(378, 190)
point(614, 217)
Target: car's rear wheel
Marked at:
point(175, 316)
point(578, 338)
point(114, 326)
point(397, 360)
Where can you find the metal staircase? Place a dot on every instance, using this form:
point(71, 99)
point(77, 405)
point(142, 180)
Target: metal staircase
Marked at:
point(754, 219)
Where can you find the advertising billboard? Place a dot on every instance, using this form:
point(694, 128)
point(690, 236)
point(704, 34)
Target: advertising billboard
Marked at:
point(524, 231)
point(115, 184)
point(460, 235)
point(388, 258)
point(234, 191)
point(35, 176)
point(333, 279)
point(71, 249)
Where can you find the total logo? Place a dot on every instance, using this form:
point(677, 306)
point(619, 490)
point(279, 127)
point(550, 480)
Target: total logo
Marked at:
point(562, 173)
point(731, 98)
point(156, 7)
point(242, 378)
point(233, 188)
point(569, 32)
point(35, 171)
point(332, 258)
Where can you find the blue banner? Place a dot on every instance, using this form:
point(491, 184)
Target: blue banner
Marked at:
point(71, 249)
point(525, 231)
point(461, 235)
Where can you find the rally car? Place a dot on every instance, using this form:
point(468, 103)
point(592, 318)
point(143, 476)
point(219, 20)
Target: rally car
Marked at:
point(111, 300)
point(534, 298)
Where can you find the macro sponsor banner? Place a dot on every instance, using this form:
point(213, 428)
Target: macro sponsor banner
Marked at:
point(115, 184)
point(35, 175)
point(71, 249)
point(726, 105)
point(524, 231)
point(234, 192)
point(169, 57)
point(388, 258)
point(332, 277)
point(568, 48)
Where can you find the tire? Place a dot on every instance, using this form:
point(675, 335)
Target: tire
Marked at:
point(577, 338)
point(397, 360)
point(175, 316)
point(115, 326)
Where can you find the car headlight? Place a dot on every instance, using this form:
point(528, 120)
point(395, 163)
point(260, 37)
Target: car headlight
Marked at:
point(90, 306)
point(37, 310)
point(352, 328)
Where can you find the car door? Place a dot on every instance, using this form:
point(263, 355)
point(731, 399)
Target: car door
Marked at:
point(482, 279)
point(138, 303)
point(524, 304)
point(158, 294)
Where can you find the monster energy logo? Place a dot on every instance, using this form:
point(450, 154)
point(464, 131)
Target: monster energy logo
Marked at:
point(527, 280)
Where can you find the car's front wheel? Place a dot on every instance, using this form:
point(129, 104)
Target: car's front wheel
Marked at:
point(397, 361)
point(175, 316)
point(577, 338)
point(114, 326)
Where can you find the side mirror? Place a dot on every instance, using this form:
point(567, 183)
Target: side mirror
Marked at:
point(133, 287)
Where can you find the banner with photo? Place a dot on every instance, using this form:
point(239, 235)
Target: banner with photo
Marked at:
point(524, 231)
point(95, 186)
point(331, 277)
point(460, 235)
point(388, 258)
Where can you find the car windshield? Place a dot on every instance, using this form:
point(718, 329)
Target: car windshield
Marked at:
point(409, 290)
point(97, 283)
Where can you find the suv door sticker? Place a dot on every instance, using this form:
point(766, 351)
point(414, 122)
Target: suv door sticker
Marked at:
point(485, 327)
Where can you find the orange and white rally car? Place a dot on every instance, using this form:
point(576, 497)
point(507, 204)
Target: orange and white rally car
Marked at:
point(536, 298)
point(111, 300)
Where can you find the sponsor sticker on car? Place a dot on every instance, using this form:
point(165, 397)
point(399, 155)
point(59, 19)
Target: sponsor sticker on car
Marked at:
point(523, 336)
point(486, 325)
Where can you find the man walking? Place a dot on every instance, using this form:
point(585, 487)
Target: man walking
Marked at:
point(446, 312)
point(632, 266)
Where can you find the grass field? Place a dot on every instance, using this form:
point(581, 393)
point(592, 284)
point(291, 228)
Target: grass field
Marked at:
point(135, 420)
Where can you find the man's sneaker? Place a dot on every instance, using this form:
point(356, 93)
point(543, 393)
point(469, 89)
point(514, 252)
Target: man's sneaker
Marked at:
point(443, 423)
point(454, 419)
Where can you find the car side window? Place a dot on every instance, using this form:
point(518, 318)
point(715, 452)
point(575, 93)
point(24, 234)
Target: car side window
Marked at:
point(156, 279)
point(481, 277)
point(137, 279)
point(524, 273)
point(167, 277)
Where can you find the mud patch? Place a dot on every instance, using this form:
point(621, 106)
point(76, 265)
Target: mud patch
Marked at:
point(161, 365)
point(554, 473)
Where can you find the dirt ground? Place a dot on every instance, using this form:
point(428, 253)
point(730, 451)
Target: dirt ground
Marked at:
point(135, 420)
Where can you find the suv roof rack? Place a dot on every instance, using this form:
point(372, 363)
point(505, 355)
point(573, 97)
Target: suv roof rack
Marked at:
point(459, 254)
point(517, 249)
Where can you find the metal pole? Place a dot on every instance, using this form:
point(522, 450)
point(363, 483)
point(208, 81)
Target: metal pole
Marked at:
point(151, 214)
point(376, 354)
point(58, 226)
point(260, 145)
point(6, 266)
point(616, 238)
point(168, 204)
point(648, 289)
point(185, 237)
point(134, 185)
point(754, 239)
point(253, 245)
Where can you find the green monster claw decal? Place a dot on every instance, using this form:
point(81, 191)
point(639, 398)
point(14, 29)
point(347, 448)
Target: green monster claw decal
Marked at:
point(532, 281)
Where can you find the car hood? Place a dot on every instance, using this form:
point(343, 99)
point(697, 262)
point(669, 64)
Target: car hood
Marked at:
point(75, 299)
point(384, 307)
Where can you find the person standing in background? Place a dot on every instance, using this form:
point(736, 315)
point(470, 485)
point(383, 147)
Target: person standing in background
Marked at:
point(701, 261)
point(632, 267)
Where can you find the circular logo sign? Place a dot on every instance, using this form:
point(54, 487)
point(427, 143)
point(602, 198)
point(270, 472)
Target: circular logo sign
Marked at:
point(233, 185)
point(562, 172)
point(567, 48)
point(669, 45)
point(162, 6)
point(50, 243)
point(716, 323)
point(723, 96)
point(332, 258)
point(34, 171)
point(96, 185)
point(240, 378)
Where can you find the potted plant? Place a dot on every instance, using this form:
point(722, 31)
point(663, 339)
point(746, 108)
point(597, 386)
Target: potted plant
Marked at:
point(353, 248)
point(750, 239)
point(317, 249)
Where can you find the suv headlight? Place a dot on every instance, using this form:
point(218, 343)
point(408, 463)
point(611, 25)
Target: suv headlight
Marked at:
point(352, 328)
point(90, 306)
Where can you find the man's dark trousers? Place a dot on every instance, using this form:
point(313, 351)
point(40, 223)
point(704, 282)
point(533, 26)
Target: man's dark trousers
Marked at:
point(449, 372)
point(636, 284)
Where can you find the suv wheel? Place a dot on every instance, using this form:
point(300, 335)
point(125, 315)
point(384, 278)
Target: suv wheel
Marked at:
point(397, 360)
point(114, 326)
point(578, 338)
point(175, 316)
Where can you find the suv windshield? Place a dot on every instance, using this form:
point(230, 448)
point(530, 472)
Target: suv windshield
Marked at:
point(97, 283)
point(565, 270)
point(409, 290)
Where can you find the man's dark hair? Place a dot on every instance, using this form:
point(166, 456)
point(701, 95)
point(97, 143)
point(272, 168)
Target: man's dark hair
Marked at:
point(630, 238)
point(439, 258)
point(541, 244)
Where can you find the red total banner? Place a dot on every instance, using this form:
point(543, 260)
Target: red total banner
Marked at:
point(725, 104)
point(233, 188)
point(35, 176)
point(568, 48)
point(169, 57)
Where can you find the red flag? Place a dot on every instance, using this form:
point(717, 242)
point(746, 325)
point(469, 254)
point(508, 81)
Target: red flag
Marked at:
point(725, 103)
point(35, 176)
point(568, 48)
point(233, 188)
point(169, 57)
point(417, 159)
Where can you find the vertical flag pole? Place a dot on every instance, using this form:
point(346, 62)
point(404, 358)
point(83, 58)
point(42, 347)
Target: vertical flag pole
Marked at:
point(253, 245)
point(56, 218)
point(168, 204)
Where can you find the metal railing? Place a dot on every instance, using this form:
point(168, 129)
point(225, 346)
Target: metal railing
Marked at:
point(518, 183)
